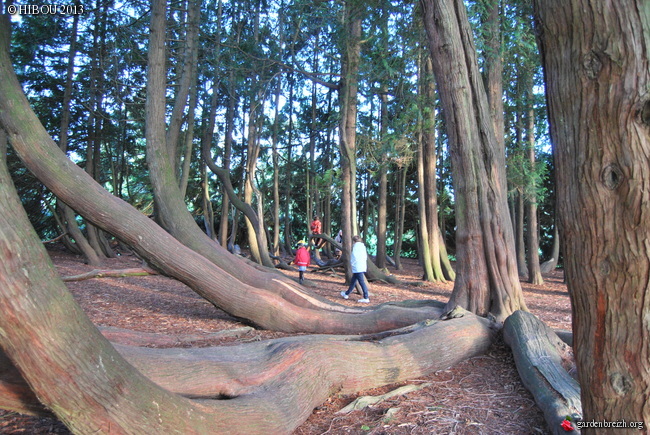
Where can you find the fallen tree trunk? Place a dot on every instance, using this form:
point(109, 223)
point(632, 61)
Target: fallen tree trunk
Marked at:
point(538, 355)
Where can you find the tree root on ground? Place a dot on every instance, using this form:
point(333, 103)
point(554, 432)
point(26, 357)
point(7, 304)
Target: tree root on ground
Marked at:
point(538, 355)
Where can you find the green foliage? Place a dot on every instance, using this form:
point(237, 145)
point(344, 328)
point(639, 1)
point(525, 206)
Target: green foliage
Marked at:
point(248, 49)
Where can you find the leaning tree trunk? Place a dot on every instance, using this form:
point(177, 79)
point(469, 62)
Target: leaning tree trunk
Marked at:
point(596, 57)
point(487, 278)
point(280, 303)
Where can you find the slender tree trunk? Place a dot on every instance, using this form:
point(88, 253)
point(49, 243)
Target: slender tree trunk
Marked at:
point(520, 212)
point(208, 213)
point(347, 134)
point(227, 155)
point(494, 68)
point(70, 225)
point(423, 248)
point(429, 171)
point(599, 117)
point(534, 271)
point(400, 208)
point(185, 82)
point(189, 141)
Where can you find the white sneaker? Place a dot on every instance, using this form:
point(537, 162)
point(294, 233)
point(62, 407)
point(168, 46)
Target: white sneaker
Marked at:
point(344, 295)
point(364, 301)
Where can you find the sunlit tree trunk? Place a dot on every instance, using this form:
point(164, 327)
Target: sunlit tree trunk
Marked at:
point(429, 182)
point(596, 57)
point(487, 279)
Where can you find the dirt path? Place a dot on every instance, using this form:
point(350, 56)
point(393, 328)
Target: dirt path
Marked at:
point(482, 395)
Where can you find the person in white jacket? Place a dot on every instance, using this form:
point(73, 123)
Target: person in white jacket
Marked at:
point(359, 264)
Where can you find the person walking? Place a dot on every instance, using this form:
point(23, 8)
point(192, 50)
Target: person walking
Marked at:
point(302, 260)
point(359, 265)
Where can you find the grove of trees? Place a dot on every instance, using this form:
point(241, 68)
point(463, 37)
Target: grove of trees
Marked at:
point(185, 130)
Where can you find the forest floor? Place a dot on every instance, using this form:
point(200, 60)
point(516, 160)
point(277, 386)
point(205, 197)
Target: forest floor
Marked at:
point(482, 395)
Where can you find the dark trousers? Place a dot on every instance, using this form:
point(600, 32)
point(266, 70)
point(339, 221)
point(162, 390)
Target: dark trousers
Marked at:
point(359, 276)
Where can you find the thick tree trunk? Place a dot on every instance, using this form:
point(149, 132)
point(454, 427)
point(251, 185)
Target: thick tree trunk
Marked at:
point(596, 57)
point(542, 360)
point(487, 279)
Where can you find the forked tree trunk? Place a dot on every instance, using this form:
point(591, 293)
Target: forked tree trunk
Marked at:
point(487, 279)
point(596, 57)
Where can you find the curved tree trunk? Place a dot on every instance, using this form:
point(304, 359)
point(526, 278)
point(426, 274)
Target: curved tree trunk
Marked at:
point(487, 279)
point(596, 57)
point(280, 303)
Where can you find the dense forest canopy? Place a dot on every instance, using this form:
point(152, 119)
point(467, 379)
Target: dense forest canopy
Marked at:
point(269, 73)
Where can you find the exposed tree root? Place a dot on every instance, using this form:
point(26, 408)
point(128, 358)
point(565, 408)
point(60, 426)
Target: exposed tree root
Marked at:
point(108, 273)
point(133, 338)
point(537, 351)
point(365, 401)
point(280, 381)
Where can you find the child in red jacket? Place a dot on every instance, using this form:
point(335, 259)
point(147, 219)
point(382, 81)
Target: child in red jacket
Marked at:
point(302, 259)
